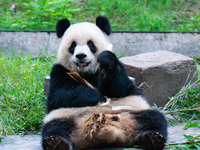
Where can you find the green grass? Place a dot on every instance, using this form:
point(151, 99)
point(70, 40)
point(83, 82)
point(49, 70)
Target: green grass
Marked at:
point(22, 104)
point(125, 15)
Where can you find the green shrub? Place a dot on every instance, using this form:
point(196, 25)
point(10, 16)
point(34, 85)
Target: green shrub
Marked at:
point(125, 15)
point(36, 15)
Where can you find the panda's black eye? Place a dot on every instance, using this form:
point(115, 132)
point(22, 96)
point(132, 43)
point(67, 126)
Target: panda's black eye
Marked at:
point(72, 47)
point(92, 46)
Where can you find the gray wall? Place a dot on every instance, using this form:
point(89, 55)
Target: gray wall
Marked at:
point(125, 44)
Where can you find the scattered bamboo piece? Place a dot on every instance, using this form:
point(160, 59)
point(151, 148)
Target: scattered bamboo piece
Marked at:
point(142, 85)
point(182, 143)
point(182, 110)
point(74, 75)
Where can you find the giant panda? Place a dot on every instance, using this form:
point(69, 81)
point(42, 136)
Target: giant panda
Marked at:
point(77, 114)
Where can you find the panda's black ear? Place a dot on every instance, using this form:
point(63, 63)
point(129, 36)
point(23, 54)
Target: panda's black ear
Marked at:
point(61, 27)
point(104, 24)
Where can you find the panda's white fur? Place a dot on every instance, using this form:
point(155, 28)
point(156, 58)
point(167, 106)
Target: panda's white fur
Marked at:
point(127, 103)
point(81, 33)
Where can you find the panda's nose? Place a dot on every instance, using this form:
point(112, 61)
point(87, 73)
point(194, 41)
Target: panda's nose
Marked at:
point(81, 56)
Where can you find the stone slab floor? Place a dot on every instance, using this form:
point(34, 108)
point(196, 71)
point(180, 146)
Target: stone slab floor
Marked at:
point(33, 142)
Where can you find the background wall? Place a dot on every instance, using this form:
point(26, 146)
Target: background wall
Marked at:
point(125, 43)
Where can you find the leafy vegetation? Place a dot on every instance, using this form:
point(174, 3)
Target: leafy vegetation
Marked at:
point(34, 15)
point(125, 15)
point(185, 104)
point(185, 107)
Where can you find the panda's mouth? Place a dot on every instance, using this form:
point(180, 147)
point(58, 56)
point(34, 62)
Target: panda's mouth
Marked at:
point(82, 64)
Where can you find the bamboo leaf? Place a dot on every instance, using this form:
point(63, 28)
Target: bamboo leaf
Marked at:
point(189, 137)
point(194, 124)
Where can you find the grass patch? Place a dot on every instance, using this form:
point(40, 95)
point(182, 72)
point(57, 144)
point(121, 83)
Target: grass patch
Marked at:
point(22, 104)
point(125, 15)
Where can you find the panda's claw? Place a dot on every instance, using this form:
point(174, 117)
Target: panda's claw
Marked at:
point(150, 140)
point(56, 143)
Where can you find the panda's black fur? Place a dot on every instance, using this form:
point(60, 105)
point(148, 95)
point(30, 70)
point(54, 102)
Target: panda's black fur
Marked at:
point(112, 73)
point(70, 103)
point(66, 92)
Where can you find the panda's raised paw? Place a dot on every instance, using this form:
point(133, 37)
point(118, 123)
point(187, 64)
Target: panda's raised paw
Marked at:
point(150, 140)
point(107, 64)
point(107, 59)
point(56, 143)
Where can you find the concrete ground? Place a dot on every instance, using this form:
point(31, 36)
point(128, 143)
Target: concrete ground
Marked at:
point(17, 142)
point(33, 142)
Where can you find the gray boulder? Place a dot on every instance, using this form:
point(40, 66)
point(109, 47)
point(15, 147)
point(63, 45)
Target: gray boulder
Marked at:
point(164, 72)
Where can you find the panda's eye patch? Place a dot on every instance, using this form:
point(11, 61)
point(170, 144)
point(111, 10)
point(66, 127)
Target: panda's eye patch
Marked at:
point(72, 47)
point(92, 46)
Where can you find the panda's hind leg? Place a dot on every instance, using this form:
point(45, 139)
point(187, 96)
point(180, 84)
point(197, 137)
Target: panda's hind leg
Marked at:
point(56, 143)
point(152, 133)
point(150, 140)
point(55, 134)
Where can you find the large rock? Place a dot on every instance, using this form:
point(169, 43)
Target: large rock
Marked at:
point(164, 72)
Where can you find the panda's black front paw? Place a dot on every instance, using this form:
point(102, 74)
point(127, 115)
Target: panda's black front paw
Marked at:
point(56, 143)
point(107, 64)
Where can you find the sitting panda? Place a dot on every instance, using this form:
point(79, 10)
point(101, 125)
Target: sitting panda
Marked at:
point(78, 115)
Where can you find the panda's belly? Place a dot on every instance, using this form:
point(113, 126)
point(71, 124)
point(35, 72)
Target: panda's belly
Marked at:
point(116, 104)
point(116, 133)
point(112, 131)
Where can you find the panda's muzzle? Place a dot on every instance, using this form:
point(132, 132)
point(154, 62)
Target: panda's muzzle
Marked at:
point(81, 56)
point(82, 64)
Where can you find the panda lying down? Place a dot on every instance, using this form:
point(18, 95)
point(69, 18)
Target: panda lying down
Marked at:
point(78, 116)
